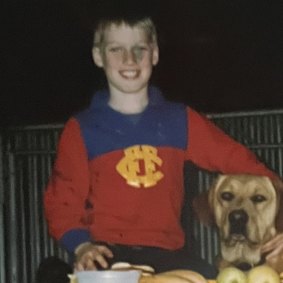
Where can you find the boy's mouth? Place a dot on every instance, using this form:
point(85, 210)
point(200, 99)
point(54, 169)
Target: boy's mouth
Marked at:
point(129, 74)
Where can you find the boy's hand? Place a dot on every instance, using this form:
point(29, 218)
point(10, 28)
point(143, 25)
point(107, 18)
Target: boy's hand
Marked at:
point(90, 256)
point(274, 247)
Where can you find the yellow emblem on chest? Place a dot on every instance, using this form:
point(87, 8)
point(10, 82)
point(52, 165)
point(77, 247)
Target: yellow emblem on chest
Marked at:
point(138, 166)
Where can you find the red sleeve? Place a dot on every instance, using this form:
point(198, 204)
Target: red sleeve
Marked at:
point(210, 148)
point(67, 190)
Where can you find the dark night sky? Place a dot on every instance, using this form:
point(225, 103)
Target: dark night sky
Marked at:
point(217, 56)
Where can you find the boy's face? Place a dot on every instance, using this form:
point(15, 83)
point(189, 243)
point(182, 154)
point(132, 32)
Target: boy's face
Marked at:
point(127, 57)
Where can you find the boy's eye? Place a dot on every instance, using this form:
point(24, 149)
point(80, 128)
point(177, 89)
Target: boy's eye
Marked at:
point(115, 49)
point(140, 48)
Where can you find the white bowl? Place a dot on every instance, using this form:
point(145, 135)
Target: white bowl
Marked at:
point(108, 276)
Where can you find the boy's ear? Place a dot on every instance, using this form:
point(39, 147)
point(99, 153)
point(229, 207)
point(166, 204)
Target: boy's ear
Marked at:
point(155, 55)
point(97, 57)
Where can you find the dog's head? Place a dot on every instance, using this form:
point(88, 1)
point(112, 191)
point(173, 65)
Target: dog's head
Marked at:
point(244, 208)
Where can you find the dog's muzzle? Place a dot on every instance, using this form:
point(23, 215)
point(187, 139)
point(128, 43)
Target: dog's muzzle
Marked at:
point(238, 220)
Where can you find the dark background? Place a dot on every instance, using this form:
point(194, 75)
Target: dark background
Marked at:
point(217, 56)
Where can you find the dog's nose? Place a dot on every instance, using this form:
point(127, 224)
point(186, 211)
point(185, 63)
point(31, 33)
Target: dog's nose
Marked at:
point(238, 220)
point(238, 216)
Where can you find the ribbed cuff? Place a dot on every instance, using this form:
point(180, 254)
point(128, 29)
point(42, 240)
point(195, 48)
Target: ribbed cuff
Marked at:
point(73, 238)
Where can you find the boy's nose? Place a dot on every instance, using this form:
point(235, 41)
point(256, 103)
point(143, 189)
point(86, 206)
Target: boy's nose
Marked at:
point(129, 57)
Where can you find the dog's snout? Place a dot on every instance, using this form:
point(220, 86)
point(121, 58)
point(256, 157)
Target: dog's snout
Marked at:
point(238, 220)
point(238, 216)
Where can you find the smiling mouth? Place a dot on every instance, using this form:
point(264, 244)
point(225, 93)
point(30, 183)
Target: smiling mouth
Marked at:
point(130, 74)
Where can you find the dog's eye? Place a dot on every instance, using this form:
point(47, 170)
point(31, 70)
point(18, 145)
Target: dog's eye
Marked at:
point(227, 196)
point(258, 198)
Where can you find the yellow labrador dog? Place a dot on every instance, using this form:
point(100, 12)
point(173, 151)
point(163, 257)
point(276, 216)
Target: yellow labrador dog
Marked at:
point(244, 208)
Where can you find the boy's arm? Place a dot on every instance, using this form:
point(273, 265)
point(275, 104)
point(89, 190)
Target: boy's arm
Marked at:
point(67, 190)
point(210, 148)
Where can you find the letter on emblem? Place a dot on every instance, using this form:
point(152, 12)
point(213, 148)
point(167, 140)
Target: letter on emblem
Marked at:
point(138, 166)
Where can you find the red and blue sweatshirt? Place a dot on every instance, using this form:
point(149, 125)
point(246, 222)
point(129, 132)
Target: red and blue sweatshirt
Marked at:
point(119, 178)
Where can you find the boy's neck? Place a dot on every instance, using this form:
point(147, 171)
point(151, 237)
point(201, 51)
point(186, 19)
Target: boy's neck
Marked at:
point(128, 103)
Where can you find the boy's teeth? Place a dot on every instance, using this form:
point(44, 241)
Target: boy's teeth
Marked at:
point(130, 74)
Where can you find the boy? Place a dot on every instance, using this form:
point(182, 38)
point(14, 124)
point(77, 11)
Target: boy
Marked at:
point(116, 192)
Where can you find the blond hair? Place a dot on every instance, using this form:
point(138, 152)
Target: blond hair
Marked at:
point(145, 23)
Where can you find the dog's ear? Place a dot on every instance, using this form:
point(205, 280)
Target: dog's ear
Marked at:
point(203, 210)
point(203, 204)
point(278, 185)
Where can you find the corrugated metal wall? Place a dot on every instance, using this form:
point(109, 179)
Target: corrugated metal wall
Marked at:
point(26, 157)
